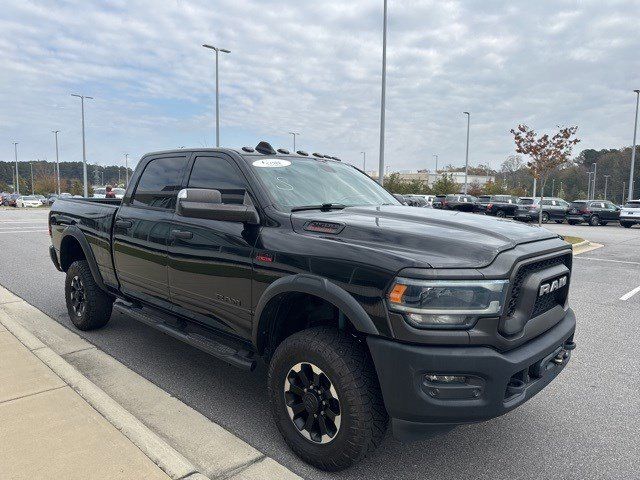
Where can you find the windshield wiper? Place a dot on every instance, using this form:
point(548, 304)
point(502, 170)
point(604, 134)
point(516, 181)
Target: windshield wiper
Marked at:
point(325, 207)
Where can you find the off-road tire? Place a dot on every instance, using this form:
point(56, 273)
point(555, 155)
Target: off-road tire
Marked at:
point(97, 304)
point(348, 365)
point(594, 221)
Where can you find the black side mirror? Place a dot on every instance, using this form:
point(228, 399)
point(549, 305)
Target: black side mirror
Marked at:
point(206, 203)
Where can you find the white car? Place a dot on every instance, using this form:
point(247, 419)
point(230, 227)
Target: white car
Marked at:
point(28, 201)
point(99, 192)
point(630, 214)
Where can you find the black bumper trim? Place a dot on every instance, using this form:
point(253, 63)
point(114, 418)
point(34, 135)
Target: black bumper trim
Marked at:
point(401, 368)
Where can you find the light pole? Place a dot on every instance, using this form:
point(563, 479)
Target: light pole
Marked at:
point(15, 149)
point(84, 147)
point(553, 186)
point(55, 132)
point(32, 190)
point(217, 50)
point(535, 186)
point(383, 94)
point(589, 186)
point(466, 161)
point(633, 152)
point(606, 182)
point(624, 186)
point(435, 155)
point(294, 134)
point(126, 170)
point(593, 190)
point(364, 161)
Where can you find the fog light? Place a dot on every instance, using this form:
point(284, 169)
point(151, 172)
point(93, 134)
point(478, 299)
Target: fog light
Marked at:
point(445, 378)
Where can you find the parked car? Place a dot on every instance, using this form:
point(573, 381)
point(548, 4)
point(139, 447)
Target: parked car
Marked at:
point(28, 201)
point(42, 198)
point(400, 198)
point(416, 200)
point(498, 205)
point(51, 198)
point(630, 214)
point(553, 209)
point(366, 312)
point(461, 203)
point(10, 201)
point(593, 212)
point(99, 192)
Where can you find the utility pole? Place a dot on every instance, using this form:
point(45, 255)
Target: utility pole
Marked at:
point(15, 149)
point(126, 170)
point(633, 151)
point(466, 161)
point(383, 94)
point(84, 147)
point(294, 140)
point(217, 50)
point(55, 132)
point(364, 161)
point(606, 181)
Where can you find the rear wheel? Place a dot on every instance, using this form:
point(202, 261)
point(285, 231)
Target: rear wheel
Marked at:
point(545, 217)
point(594, 221)
point(89, 307)
point(325, 398)
point(501, 214)
point(572, 222)
point(626, 224)
point(559, 221)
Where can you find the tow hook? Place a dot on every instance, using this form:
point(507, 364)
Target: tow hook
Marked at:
point(558, 357)
point(563, 354)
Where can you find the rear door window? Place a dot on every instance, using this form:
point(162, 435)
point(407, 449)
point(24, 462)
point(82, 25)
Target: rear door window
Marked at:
point(159, 184)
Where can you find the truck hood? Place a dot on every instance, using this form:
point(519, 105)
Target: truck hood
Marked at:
point(426, 237)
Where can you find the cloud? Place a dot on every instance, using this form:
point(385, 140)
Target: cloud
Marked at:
point(314, 67)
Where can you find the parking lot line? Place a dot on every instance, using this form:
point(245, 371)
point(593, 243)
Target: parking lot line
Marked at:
point(630, 294)
point(606, 260)
point(24, 230)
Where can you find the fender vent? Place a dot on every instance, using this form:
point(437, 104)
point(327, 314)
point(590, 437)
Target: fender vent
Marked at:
point(323, 227)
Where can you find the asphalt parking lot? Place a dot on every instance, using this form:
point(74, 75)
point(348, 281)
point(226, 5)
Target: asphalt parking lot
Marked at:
point(584, 425)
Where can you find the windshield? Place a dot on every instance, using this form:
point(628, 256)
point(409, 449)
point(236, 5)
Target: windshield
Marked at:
point(632, 205)
point(29, 198)
point(310, 181)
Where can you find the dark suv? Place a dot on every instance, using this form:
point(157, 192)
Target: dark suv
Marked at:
point(461, 203)
point(593, 212)
point(553, 209)
point(498, 205)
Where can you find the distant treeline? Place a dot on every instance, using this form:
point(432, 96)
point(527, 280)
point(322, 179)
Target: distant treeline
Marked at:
point(44, 174)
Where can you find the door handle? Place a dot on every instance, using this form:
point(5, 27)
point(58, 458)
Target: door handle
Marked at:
point(181, 234)
point(124, 223)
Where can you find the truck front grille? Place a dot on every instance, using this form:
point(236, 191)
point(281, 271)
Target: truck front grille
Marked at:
point(546, 302)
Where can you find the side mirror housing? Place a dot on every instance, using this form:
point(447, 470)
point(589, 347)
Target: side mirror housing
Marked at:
point(207, 204)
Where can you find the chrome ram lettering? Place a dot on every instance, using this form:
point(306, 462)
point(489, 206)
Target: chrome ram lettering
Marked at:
point(552, 286)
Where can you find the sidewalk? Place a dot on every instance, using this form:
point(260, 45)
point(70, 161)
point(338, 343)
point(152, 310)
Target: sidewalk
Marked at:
point(48, 431)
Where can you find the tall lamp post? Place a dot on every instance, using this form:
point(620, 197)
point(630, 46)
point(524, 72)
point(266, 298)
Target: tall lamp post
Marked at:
point(593, 190)
point(383, 94)
point(294, 139)
point(466, 161)
point(55, 132)
point(32, 189)
point(15, 149)
point(126, 168)
point(633, 151)
point(84, 147)
point(364, 161)
point(606, 182)
point(217, 50)
point(589, 186)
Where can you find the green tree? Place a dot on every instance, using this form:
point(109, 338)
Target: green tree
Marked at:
point(444, 185)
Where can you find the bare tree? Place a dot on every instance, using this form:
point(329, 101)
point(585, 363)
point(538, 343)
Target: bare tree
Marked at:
point(546, 153)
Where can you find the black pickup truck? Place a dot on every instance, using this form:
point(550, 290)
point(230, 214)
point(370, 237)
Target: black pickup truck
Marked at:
point(366, 312)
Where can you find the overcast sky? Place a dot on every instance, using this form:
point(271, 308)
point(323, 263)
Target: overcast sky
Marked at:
point(315, 67)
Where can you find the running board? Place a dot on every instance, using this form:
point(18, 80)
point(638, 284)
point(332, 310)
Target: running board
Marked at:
point(204, 341)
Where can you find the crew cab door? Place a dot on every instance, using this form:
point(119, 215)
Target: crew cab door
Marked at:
point(210, 261)
point(141, 230)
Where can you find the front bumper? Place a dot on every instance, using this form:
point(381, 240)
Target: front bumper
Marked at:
point(498, 383)
point(634, 220)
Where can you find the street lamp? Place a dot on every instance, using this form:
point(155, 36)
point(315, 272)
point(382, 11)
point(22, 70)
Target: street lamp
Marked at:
point(217, 50)
point(15, 149)
point(435, 155)
point(466, 161)
point(593, 190)
point(294, 140)
point(126, 167)
point(589, 186)
point(55, 132)
point(606, 181)
point(84, 148)
point(32, 190)
point(383, 94)
point(633, 152)
point(364, 161)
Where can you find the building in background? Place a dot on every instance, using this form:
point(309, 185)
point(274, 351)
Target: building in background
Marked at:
point(431, 177)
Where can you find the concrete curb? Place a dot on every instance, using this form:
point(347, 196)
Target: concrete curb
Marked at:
point(585, 246)
point(161, 453)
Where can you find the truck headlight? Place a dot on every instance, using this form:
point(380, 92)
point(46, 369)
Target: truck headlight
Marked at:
point(447, 303)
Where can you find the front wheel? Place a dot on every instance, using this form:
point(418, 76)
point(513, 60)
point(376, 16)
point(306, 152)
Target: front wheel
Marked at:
point(594, 221)
point(626, 224)
point(89, 307)
point(545, 217)
point(501, 214)
point(325, 398)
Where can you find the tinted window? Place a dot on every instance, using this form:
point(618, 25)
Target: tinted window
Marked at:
point(218, 174)
point(632, 205)
point(526, 201)
point(160, 182)
point(486, 198)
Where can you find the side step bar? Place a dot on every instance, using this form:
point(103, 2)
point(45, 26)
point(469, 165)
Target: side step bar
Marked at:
point(237, 357)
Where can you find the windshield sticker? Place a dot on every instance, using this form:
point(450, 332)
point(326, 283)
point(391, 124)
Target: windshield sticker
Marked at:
point(271, 163)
